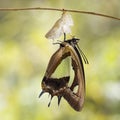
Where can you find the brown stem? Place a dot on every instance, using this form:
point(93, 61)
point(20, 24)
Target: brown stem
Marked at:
point(57, 9)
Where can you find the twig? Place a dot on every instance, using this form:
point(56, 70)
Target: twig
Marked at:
point(57, 9)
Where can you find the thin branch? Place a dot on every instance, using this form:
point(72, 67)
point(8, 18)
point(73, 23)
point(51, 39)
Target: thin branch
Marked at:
point(56, 9)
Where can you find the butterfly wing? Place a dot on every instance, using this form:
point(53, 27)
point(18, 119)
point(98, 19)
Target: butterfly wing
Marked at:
point(76, 100)
point(59, 86)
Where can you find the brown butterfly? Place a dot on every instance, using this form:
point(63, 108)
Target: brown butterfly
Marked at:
point(59, 86)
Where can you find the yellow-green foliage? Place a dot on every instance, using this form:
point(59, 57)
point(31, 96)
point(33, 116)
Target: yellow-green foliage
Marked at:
point(25, 52)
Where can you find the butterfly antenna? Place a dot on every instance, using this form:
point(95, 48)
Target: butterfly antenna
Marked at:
point(83, 55)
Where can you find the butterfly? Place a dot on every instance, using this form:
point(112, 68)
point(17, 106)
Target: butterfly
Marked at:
point(59, 86)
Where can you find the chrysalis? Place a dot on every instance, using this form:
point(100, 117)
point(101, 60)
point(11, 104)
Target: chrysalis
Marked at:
point(61, 26)
point(59, 86)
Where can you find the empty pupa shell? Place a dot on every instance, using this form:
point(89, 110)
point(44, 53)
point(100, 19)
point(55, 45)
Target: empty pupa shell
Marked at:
point(61, 26)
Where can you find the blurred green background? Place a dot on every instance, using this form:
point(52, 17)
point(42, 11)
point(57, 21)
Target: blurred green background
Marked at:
point(25, 52)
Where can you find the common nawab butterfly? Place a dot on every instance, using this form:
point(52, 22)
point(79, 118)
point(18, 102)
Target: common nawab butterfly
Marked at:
point(59, 86)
